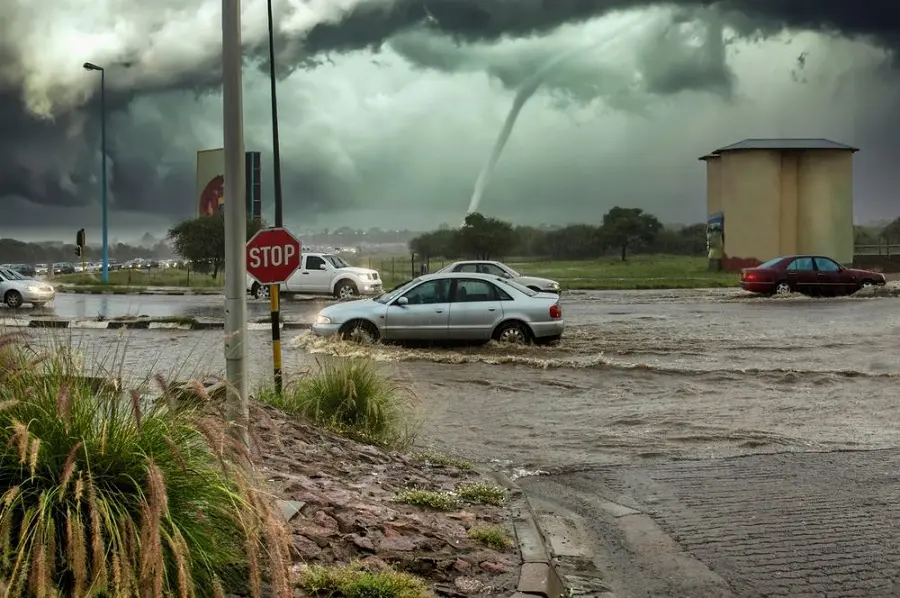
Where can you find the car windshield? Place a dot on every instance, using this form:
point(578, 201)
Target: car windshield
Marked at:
point(391, 295)
point(11, 274)
point(336, 261)
point(770, 263)
point(521, 288)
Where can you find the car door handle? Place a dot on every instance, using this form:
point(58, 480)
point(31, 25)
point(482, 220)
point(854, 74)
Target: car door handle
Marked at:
point(439, 311)
point(304, 273)
point(492, 309)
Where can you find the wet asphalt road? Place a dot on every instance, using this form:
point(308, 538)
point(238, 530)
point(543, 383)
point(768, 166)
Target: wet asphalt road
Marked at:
point(742, 427)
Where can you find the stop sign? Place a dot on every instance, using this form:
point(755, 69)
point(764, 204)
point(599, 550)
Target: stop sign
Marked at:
point(273, 254)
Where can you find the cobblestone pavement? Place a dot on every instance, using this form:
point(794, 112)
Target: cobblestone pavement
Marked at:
point(824, 525)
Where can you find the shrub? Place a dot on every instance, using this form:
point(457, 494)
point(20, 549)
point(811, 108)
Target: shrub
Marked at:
point(353, 581)
point(103, 498)
point(439, 501)
point(439, 460)
point(482, 493)
point(351, 398)
point(491, 536)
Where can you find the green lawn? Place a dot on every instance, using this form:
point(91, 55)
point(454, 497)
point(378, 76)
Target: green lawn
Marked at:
point(638, 272)
point(167, 277)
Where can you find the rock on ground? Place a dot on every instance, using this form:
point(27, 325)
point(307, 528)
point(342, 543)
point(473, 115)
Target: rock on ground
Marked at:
point(340, 496)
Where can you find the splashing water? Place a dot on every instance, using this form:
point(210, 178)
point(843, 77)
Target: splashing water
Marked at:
point(526, 91)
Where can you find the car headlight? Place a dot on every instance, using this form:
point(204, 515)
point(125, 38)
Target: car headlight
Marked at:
point(34, 288)
point(554, 285)
point(323, 320)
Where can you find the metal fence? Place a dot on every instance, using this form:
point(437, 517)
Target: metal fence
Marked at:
point(884, 249)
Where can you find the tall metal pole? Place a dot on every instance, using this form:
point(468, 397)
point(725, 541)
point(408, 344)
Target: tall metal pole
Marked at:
point(103, 200)
point(274, 290)
point(237, 410)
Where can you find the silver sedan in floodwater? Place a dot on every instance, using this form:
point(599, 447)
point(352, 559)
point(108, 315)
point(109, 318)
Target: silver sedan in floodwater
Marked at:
point(449, 307)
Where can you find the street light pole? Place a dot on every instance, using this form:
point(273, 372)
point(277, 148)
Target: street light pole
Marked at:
point(104, 200)
point(237, 410)
point(274, 294)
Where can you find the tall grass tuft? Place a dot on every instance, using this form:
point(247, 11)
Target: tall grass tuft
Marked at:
point(352, 398)
point(105, 495)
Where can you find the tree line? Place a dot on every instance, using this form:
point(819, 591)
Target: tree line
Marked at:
point(622, 232)
point(13, 251)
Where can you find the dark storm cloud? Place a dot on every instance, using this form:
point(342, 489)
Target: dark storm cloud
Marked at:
point(46, 159)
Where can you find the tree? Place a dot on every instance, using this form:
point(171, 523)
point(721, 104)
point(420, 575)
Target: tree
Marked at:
point(891, 232)
point(625, 227)
point(202, 241)
point(439, 243)
point(485, 238)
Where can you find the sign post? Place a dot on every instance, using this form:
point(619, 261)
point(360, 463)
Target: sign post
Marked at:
point(273, 255)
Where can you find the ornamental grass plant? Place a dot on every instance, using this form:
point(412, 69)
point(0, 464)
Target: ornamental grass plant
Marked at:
point(110, 494)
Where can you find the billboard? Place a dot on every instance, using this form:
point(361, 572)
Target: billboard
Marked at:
point(210, 195)
point(210, 184)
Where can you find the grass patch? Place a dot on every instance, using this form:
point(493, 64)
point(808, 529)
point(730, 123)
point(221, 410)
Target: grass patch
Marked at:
point(492, 536)
point(439, 460)
point(485, 494)
point(353, 581)
point(429, 499)
point(107, 495)
point(162, 277)
point(352, 398)
point(639, 272)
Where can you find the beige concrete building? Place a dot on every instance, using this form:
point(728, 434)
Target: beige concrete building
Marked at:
point(781, 197)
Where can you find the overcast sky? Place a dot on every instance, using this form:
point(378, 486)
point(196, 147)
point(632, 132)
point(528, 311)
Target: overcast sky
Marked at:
point(390, 108)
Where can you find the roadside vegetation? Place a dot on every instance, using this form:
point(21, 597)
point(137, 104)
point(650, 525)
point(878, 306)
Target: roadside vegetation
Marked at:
point(154, 277)
point(355, 581)
point(351, 398)
point(492, 536)
point(106, 494)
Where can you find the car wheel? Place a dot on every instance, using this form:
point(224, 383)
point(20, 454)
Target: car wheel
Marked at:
point(13, 299)
point(783, 288)
point(260, 291)
point(345, 289)
point(513, 333)
point(360, 331)
point(867, 284)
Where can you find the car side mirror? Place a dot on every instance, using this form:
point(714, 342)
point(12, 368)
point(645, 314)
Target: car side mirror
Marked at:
point(402, 301)
point(323, 267)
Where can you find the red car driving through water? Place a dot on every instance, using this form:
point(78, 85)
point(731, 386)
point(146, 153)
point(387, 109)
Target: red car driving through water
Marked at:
point(807, 274)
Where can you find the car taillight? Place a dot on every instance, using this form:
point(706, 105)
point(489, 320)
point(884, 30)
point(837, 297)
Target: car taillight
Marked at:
point(555, 311)
point(749, 276)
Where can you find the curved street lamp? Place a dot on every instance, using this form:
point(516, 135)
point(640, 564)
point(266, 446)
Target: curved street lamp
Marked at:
point(89, 66)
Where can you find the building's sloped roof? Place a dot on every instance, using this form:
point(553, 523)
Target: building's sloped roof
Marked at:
point(782, 144)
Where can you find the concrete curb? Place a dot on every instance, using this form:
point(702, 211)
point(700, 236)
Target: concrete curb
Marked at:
point(538, 576)
point(148, 324)
point(127, 291)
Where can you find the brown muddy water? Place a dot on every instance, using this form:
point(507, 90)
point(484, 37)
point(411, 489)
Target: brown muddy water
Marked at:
point(638, 375)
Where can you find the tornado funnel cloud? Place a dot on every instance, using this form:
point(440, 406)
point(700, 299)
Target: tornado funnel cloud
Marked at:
point(526, 91)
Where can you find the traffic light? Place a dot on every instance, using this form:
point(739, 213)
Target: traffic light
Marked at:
point(78, 250)
point(79, 238)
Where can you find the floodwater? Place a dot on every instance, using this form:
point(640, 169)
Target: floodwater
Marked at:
point(638, 375)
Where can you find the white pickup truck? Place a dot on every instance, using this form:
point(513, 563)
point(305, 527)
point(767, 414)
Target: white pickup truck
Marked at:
point(324, 274)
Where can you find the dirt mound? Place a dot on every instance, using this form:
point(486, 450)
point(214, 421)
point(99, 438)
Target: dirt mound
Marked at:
point(344, 495)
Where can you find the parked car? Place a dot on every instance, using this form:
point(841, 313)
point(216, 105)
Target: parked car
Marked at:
point(16, 289)
point(63, 268)
point(500, 269)
point(449, 307)
point(324, 274)
point(812, 275)
point(42, 269)
point(26, 270)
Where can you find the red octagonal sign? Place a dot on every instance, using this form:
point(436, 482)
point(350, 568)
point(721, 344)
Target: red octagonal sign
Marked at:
point(273, 254)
